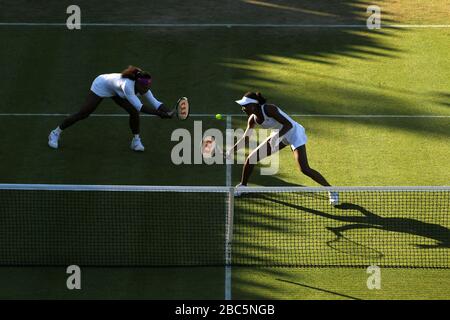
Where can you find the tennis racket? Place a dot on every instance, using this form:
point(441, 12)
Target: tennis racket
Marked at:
point(210, 148)
point(351, 247)
point(182, 108)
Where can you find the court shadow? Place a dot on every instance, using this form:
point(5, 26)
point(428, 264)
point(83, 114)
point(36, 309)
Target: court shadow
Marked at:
point(443, 98)
point(320, 289)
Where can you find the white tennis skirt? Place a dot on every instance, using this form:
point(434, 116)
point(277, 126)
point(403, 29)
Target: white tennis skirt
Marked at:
point(101, 87)
point(296, 137)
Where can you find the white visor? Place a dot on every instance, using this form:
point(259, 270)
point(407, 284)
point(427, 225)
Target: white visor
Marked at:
point(244, 101)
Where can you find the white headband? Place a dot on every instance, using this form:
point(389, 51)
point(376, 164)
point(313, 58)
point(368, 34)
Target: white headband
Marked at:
point(244, 101)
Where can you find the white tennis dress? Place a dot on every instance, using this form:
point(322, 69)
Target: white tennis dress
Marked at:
point(295, 137)
point(112, 84)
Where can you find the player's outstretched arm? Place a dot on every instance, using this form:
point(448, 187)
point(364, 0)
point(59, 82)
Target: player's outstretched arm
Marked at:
point(157, 112)
point(245, 138)
point(164, 109)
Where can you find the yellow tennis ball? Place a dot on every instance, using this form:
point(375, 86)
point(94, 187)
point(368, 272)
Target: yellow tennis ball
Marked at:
point(218, 116)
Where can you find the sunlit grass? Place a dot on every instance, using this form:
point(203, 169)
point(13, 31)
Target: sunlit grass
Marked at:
point(397, 72)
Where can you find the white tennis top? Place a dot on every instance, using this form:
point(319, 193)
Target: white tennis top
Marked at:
point(295, 137)
point(271, 123)
point(112, 84)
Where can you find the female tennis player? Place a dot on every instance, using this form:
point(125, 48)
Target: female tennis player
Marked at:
point(286, 132)
point(124, 89)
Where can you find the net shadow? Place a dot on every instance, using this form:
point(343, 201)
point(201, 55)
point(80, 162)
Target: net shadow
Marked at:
point(394, 237)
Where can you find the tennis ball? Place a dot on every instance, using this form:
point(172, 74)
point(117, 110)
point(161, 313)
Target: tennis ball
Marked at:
point(218, 116)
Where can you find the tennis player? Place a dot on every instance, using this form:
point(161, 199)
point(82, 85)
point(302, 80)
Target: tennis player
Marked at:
point(124, 89)
point(286, 132)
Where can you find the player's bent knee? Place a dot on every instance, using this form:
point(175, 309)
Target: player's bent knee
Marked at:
point(81, 116)
point(306, 171)
point(132, 112)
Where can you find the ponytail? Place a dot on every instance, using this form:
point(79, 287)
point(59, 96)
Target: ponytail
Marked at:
point(256, 96)
point(260, 98)
point(135, 73)
point(131, 72)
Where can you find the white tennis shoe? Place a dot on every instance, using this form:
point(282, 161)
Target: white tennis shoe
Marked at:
point(53, 138)
point(334, 198)
point(136, 145)
point(237, 192)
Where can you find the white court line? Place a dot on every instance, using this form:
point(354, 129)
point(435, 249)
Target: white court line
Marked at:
point(237, 115)
point(220, 25)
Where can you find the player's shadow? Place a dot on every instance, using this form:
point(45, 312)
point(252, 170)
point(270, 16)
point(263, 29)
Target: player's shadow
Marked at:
point(319, 289)
point(369, 220)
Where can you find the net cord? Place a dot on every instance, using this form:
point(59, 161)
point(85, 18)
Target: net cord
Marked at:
point(209, 189)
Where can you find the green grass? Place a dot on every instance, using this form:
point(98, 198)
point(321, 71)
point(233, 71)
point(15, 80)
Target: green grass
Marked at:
point(207, 283)
point(113, 283)
point(304, 71)
point(369, 84)
point(339, 283)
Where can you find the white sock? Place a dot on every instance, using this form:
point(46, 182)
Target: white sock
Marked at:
point(136, 136)
point(57, 130)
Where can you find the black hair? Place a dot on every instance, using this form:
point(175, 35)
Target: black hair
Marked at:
point(256, 96)
point(135, 73)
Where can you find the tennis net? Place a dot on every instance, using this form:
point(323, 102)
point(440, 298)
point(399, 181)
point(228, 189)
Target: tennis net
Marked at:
point(208, 226)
